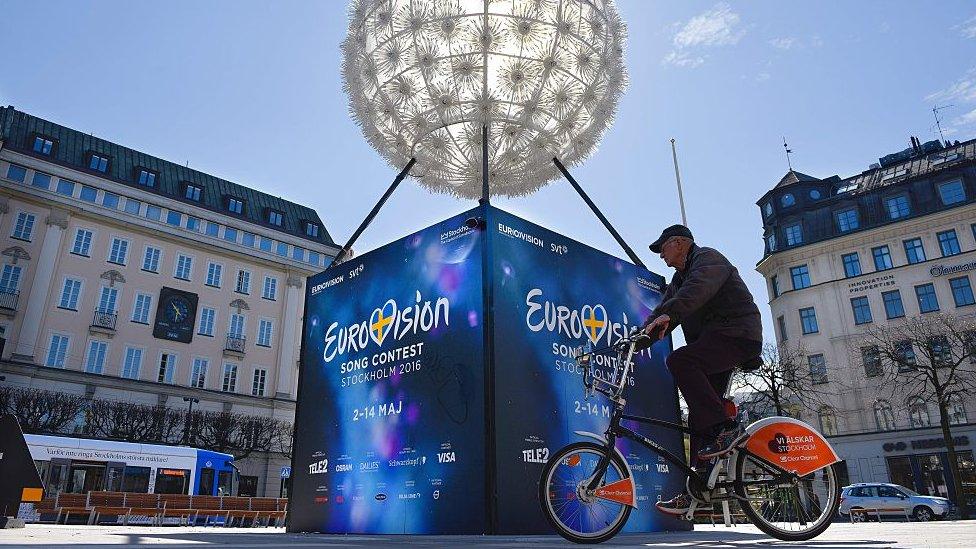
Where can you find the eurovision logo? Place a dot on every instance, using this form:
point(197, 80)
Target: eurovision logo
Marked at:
point(589, 321)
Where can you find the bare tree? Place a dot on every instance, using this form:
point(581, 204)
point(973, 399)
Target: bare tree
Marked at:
point(924, 360)
point(239, 434)
point(133, 422)
point(42, 411)
point(786, 380)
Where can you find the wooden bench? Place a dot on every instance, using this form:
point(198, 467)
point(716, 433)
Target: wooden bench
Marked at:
point(143, 505)
point(67, 504)
point(207, 506)
point(237, 508)
point(268, 510)
point(175, 505)
point(109, 504)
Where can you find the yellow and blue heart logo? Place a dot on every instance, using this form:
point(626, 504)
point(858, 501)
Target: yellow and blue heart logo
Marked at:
point(594, 321)
point(381, 321)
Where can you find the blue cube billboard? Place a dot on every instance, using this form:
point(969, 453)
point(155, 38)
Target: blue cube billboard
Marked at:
point(552, 295)
point(390, 423)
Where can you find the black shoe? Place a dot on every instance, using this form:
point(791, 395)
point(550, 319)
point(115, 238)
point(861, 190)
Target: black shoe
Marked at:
point(678, 505)
point(727, 439)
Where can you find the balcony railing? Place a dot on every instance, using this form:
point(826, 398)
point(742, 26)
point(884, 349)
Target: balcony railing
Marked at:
point(9, 299)
point(104, 319)
point(235, 343)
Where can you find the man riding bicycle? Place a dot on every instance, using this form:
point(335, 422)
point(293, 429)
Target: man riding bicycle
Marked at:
point(722, 328)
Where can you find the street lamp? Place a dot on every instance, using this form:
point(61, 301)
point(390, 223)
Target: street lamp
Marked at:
point(189, 413)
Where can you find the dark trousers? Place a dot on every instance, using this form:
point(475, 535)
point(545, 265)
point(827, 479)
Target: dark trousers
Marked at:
point(702, 371)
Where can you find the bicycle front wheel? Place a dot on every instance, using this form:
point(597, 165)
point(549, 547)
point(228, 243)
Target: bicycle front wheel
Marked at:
point(786, 510)
point(576, 515)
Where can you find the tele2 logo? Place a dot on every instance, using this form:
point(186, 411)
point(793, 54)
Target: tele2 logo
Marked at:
point(319, 467)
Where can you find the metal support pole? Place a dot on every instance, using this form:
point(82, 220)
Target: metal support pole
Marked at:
point(613, 232)
point(484, 165)
point(677, 178)
point(369, 218)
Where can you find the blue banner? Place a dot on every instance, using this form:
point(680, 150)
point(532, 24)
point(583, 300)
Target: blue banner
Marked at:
point(390, 423)
point(551, 295)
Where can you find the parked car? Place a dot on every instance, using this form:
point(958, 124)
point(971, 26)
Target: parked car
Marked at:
point(870, 499)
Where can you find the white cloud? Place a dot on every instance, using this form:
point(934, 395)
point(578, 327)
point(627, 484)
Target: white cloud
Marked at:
point(968, 28)
point(963, 90)
point(968, 118)
point(783, 43)
point(762, 77)
point(719, 26)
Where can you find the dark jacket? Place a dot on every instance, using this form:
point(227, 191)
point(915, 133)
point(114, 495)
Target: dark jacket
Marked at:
point(710, 296)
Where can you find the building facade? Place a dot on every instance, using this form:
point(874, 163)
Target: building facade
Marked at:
point(126, 277)
point(842, 255)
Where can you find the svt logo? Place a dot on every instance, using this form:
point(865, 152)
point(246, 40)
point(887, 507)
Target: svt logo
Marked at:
point(446, 457)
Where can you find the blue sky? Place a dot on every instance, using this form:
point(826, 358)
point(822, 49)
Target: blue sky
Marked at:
point(250, 91)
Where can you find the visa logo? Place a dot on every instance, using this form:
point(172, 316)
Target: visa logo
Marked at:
point(446, 457)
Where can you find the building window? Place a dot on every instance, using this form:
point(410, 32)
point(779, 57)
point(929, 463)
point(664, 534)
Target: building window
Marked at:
point(882, 258)
point(852, 264)
point(207, 318)
point(141, 308)
point(265, 244)
point(311, 229)
point(107, 300)
point(957, 410)
point(82, 243)
point(198, 375)
point(962, 291)
point(927, 300)
point(192, 192)
point(43, 145)
point(243, 282)
point(153, 212)
point(119, 252)
point(952, 192)
point(282, 249)
point(70, 293)
point(95, 358)
point(247, 239)
point(57, 351)
point(298, 253)
point(313, 258)
point(948, 242)
point(862, 310)
point(801, 277)
point(941, 351)
point(884, 417)
point(150, 261)
point(235, 205)
point(818, 368)
point(892, 304)
point(24, 226)
point(236, 326)
point(132, 206)
point(973, 228)
point(16, 173)
point(167, 368)
point(771, 242)
point(794, 234)
point(768, 209)
point(828, 421)
point(192, 224)
point(918, 413)
point(174, 218)
point(905, 355)
point(147, 178)
point(847, 220)
point(214, 272)
point(275, 217)
point(871, 358)
point(98, 163)
point(914, 251)
point(212, 229)
point(110, 200)
point(257, 386)
point(65, 187)
point(132, 363)
point(184, 267)
point(230, 378)
point(897, 207)
point(781, 321)
point(41, 180)
point(88, 194)
point(265, 329)
point(787, 200)
point(774, 283)
point(230, 234)
point(808, 320)
point(270, 290)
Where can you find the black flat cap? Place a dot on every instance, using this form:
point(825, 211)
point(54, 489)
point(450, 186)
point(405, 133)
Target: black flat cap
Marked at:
point(673, 230)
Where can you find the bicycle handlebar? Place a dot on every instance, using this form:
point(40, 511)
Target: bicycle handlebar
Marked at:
point(624, 348)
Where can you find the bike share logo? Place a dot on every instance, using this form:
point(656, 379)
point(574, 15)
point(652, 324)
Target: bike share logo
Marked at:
point(591, 321)
point(390, 318)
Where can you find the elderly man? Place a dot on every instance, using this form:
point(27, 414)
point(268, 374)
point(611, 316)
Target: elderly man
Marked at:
point(722, 328)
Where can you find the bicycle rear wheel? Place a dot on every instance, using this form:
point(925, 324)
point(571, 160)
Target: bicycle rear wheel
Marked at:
point(577, 516)
point(786, 510)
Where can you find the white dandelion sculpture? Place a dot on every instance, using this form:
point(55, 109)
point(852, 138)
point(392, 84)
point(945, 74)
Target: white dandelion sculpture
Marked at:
point(425, 76)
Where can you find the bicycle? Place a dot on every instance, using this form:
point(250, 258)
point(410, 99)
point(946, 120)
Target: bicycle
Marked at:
point(782, 472)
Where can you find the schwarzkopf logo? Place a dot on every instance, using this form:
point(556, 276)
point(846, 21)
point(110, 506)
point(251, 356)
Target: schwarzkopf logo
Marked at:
point(942, 270)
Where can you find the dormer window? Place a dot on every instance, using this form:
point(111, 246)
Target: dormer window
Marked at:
point(815, 194)
point(235, 205)
point(787, 200)
point(275, 217)
point(193, 192)
point(146, 178)
point(846, 188)
point(98, 163)
point(311, 229)
point(43, 145)
point(768, 209)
